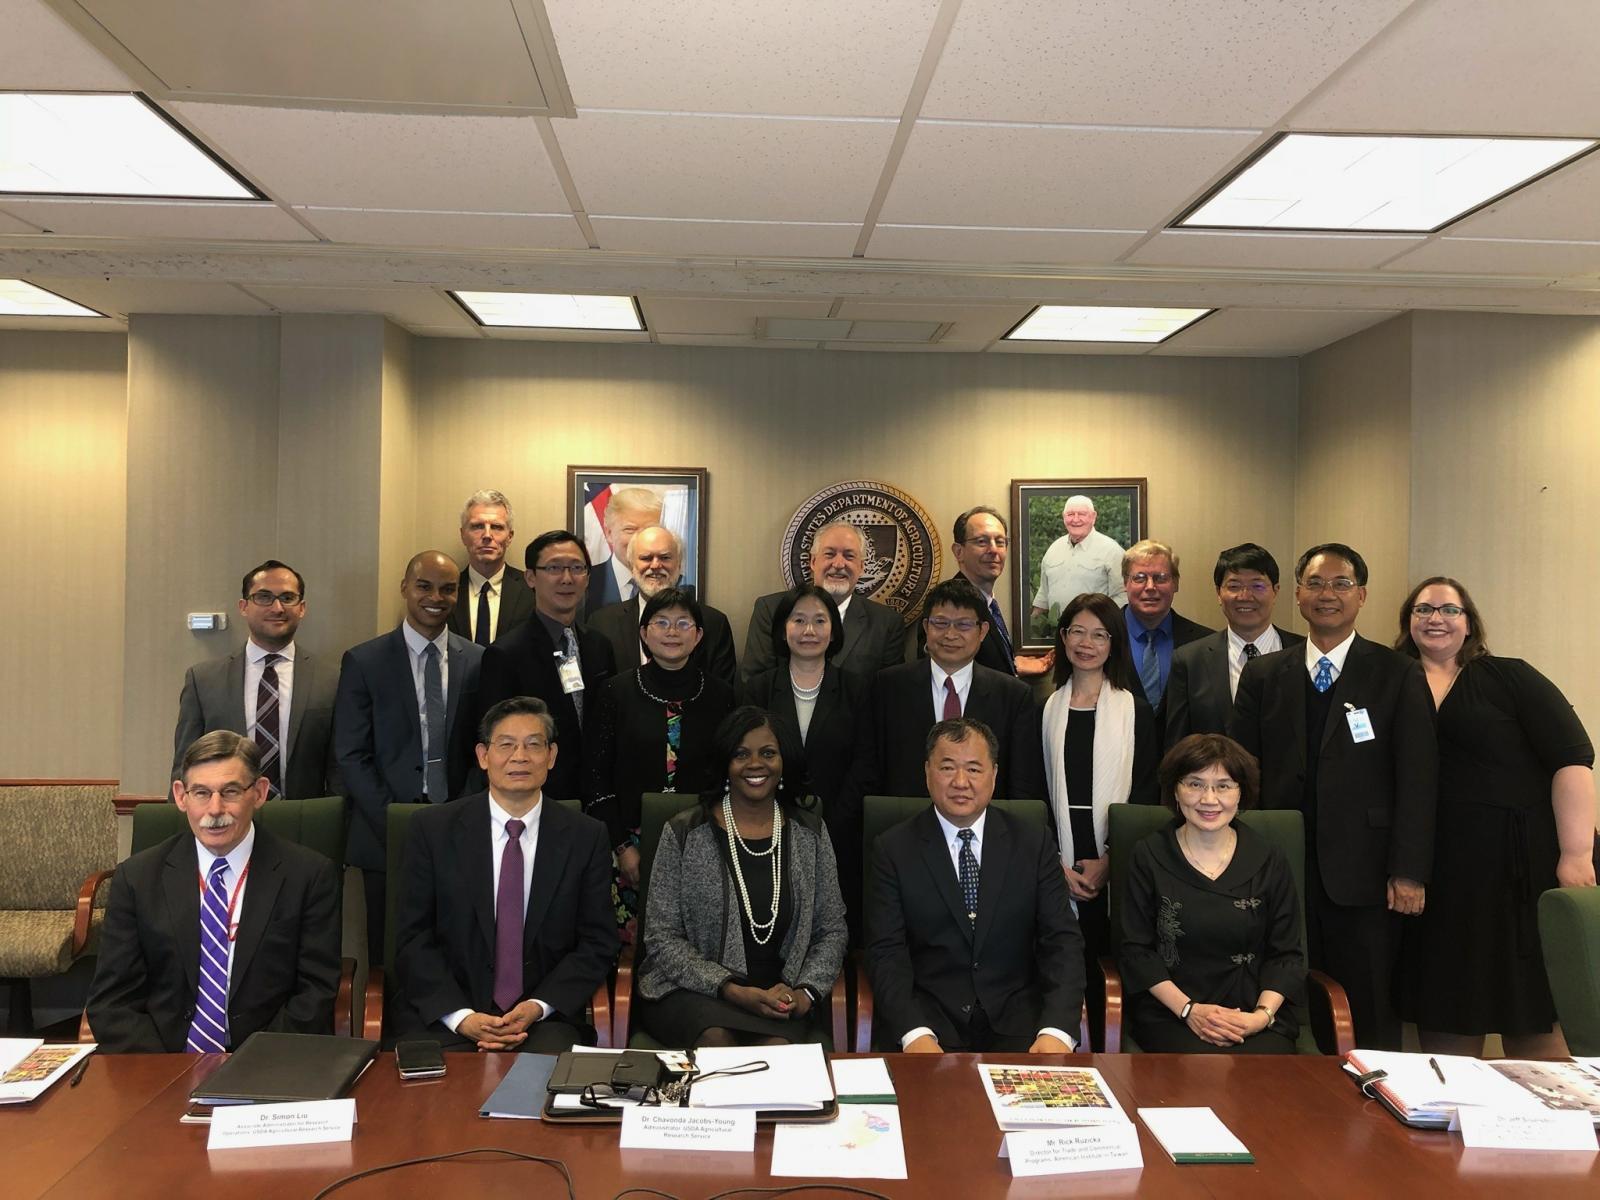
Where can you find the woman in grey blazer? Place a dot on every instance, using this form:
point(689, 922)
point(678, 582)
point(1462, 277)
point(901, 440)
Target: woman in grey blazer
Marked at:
point(744, 928)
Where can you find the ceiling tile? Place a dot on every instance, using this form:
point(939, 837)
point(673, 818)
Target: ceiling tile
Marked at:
point(123, 296)
point(411, 307)
point(805, 329)
point(735, 318)
point(463, 230)
point(41, 51)
point(748, 168)
point(893, 331)
point(13, 225)
point(1271, 250)
point(970, 323)
point(821, 58)
point(386, 160)
point(1144, 62)
point(953, 243)
point(1565, 204)
point(763, 239)
point(1548, 260)
point(725, 339)
point(162, 219)
point(1051, 177)
point(1271, 330)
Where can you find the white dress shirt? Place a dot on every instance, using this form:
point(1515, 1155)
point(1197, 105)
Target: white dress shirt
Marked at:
point(952, 842)
point(623, 573)
point(1267, 643)
point(1336, 656)
point(961, 677)
point(418, 645)
point(843, 605)
point(475, 584)
point(498, 837)
point(254, 667)
point(233, 881)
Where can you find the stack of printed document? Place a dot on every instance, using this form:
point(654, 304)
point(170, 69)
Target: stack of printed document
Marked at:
point(1426, 1090)
point(28, 1067)
point(790, 1079)
point(1029, 1097)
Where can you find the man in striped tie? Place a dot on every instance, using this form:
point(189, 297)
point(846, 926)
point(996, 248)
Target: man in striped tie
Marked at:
point(216, 933)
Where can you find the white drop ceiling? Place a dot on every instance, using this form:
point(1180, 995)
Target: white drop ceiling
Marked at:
point(921, 173)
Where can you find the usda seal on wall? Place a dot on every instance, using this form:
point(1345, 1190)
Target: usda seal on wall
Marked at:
point(903, 558)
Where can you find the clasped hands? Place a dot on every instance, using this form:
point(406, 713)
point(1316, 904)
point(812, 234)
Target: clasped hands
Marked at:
point(1087, 878)
point(501, 1033)
point(1222, 1026)
point(780, 1001)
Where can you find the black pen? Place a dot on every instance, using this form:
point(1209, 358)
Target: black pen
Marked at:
point(77, 1076)
point(1434, 1063)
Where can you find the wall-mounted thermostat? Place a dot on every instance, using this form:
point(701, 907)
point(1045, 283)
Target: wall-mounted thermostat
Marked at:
point(207, 621)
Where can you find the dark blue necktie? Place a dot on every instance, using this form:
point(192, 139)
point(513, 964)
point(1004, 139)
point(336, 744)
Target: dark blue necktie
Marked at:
point(969, 875)
point(1005, 634)
point(1150, 668)
point(1323, 679)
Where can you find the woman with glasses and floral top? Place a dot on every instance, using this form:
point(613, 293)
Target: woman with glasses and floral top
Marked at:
point(650, 730)
point(1210, 921)
point(1515, 818)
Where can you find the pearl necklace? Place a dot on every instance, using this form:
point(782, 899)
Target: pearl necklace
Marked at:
point(804, 693)
point(761, 931)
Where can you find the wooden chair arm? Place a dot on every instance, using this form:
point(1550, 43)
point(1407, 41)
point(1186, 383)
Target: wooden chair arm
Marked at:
point(1330, 1013)
point(1112, 1043)
point(372, 1005)
point(622, 1001)
point(863, 1042)
point(839, 1013)
point(343, 1017)
point(83, 918)
point(600, 1014)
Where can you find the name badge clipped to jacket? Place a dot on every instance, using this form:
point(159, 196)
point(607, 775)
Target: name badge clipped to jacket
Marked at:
point(1360, 724)
point(571, 676)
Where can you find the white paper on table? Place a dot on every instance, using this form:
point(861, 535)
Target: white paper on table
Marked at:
point(32, 1078)
point(796, 1078)
point(1554, 1129)
point(1592, 1063)
point(1191, 1131)
point(862, 1077)
point(1112, 1147)
point(653, 1128)
point(299, 1123)
point(862, 1142)
point(1467, 1082)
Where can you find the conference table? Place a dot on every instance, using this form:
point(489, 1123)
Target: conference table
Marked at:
point(1312, 1134)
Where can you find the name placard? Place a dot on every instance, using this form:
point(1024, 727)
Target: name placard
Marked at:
point(688, 1129)
point(1070, 1151)
point(239, 1126)
point(1488, 1129)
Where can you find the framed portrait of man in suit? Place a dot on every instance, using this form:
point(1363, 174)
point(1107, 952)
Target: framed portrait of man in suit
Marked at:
point(1067, 537)
point(607, 505)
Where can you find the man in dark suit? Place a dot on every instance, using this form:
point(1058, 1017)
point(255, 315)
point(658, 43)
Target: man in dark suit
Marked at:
point(909, 699)
point(403, 721)
point(1155, 631)
point(552, 656)
point(492, 599)
point(1205, 674)
point(874, 634)
point(1344, 731)
point(628, 510)
point(505, 926)
point(982, 544)
point(219, 932)
point(270, 690)
point(657, 558)
point(971, 944)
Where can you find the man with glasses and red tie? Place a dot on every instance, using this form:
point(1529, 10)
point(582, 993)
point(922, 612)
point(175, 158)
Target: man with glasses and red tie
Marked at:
point(505, 926)
point(218, 932)
point(271, 690)
point(1344, 732)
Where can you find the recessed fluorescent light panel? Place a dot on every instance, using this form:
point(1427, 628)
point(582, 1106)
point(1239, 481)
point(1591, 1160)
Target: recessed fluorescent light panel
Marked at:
point(1376, 183)
point(551, 310)
point(18, 299)
point(104, 144)
point(1084, 323)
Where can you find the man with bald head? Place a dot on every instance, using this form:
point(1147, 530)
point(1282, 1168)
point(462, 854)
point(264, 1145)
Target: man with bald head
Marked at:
point(629, 510)
point(874, 634)
point(1081, 560)
point(656, 556)
point(403, 718)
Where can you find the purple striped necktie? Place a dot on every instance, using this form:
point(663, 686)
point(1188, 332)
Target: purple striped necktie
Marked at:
point(508, 917)
point(265, 733)
point(208, 1032)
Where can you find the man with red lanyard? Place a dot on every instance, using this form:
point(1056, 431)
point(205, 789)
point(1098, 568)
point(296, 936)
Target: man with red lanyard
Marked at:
point(219, 932)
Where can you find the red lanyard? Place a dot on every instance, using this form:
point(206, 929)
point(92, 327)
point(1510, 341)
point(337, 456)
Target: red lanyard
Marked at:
point(233, 928)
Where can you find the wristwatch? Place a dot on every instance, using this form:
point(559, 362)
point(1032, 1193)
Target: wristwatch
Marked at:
point(1272, 1017)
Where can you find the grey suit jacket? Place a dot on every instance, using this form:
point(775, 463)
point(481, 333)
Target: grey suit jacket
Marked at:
point(213, 698)
point(1198, 698)
point(874, 638)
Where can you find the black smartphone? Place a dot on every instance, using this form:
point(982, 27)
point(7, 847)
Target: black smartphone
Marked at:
point(419, 1060)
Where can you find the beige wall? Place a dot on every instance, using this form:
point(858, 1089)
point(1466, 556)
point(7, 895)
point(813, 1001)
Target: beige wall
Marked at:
point(63, 407)
point(397, 515)
point(774, 426)
point(1354, 457)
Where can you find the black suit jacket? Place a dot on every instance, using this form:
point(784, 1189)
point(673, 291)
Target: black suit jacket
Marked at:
point(377, 734)
point(1184, 632)
point(1023, 962)
point(1198, 698)
point(516, 604)
point(213, 698)
point(445, 932)
point(285, 959)
point(619, 624)
point(902, 712)
point(523, 663)
point(874, 637)
point(602, 589)
point(1375, 799)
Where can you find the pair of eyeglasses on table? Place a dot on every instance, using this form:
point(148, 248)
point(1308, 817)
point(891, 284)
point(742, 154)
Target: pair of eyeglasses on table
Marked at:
point(674, 1092)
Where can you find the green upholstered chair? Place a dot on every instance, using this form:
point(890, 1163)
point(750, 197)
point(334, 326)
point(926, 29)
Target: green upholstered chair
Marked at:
point(656, 809)
point(1328, 1022)
point(1569, 930)
point(880, 813)
point(399, 828)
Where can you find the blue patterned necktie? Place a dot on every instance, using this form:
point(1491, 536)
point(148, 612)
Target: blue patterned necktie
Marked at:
point(1323, 679)
point(969, 875)
point(436, 779)
point(1005, 634)
point(208, 1032)
point(1150, 668)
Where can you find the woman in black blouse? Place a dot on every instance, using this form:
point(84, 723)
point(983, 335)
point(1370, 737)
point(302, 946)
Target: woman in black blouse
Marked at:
point(1210, 920)
point(650, 730)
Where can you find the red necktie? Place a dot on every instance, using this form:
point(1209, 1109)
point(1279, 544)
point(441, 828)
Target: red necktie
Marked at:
point(952, 702)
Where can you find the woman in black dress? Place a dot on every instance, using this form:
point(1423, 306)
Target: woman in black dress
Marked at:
point(818, 710)
point(744, 928)
point(1210, 920)
point(649, 730)
point(1515, 818)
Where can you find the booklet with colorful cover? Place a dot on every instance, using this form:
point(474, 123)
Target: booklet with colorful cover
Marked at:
point(1029, 1097)
point(28, 1067)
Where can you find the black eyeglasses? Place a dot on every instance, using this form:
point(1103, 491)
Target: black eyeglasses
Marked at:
point(266, 599)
